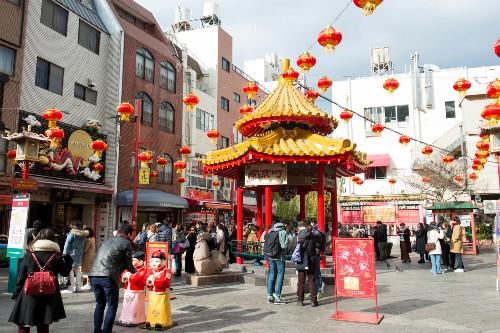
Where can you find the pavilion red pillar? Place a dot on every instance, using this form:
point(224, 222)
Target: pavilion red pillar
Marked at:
point(321, 206)
point(302, 213)
point(268, 196)
point(258, 213)
point(239, 220)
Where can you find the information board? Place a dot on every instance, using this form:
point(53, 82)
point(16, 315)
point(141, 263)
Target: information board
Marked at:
point(17, 228)
point(152, 247)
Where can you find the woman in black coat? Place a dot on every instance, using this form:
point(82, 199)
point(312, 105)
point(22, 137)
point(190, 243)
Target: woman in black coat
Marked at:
point(421, 235)
point(40, 311)
point(188, 260)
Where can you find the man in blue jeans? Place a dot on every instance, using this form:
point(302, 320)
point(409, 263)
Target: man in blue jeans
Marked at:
point(114, 256)
point(275, 250)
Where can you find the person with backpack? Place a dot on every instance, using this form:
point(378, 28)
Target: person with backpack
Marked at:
point(42, 263)
point(275, 245)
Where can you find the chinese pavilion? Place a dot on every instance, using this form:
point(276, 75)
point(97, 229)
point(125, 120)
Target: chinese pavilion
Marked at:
point(286, 151)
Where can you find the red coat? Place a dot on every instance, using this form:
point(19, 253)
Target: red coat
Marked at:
point(161, 281)
point(136, 281)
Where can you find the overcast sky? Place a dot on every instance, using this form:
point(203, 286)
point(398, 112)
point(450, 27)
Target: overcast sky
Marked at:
point(447, 33)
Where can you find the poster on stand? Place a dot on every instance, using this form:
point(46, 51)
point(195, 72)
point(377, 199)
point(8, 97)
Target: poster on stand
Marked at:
point(17, 228)
point(152, 247)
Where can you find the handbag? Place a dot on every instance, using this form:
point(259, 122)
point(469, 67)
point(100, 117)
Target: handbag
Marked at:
point(42, 282)
point(296, 255)
point(430, 247)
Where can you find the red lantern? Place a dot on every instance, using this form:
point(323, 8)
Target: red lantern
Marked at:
point(473, 176)
point(491, 112)
point(162, 161)
point(329, 38)
point(462, 85)
point(482, 154)
point(251, 90)
point(181, 179)
point(482, 145)
point(477, 167)
point(477, 161)
point(145, 156)
point(125, 110)
point(11, 155)
point(52, 115)
point(377, 129)
point(290, 75)
point(216, 183)
point(153, 174)
point(496, 47)
point(213, 134)
point(306, 61)
point(346, 115)
point(427, 150)
point(246, 109)
point(191, 100)
point(391, 84)
point(392, 181)
point(324, 83)
point(55, 134)
point(355, 179)
point(426, 179)
point(493, 90)
point(368, 6)
point(99, 146)
point(179, 166)
point(458, 178)
point(485, 136)
point(98, 167)
point(185, 150)
point(447, 159)
point(311, 95)
point(404, 140)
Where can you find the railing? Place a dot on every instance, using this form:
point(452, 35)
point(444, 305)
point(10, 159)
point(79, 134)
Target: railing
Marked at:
point(251, 250)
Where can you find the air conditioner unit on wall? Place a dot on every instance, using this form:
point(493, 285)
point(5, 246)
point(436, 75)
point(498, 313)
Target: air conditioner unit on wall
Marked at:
point(490, 206)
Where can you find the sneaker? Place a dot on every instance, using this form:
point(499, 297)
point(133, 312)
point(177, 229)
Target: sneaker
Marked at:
point(86, 287)
point(66, 291)
point(270, 299)
point(279, 301)
point(459, 270)
point(319, 294)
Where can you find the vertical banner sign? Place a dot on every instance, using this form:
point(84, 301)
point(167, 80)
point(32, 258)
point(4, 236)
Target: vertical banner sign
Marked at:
point(497, 240)
point(152, 247)
point(17, 228)
point(355, 276)
point(144, 176)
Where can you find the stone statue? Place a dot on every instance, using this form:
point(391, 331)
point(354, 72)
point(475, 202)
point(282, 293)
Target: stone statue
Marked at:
point(207, 262)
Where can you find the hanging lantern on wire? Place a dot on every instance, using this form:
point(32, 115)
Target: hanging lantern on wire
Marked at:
point(246, 109)
point(181, 180)
point(52, 115)
point(55, 134)
point(482, 154)
point(324, 83)
point(493, 90)
point(216, 183)
point(290, 76)
point(391, 84)
point(311, 95)
point(496, 47)
point(346, 115)
point(462, 85)
point(491, 113)
point(329, 38)
point(447, 159)
point(427, 151)
point(306, 61)
point(98, 168)
point(145, 157)
point(392, 181)
point(477, 167)
point(185, 150)
point(377, 129)
point(483, 145)
point(458, 178)
point(251, 90)
point(404, 140)
point(124, 110)
point(162, 161)
point(99, 146)
point(153, 174)
point(191, 100)
point(426, 179)
point(213, 134)
point(368, 6)
point(179, 166)
point(473, 176)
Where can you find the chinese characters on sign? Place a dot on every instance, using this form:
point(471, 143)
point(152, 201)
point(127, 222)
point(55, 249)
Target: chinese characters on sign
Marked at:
point(265, 174)
point(144, 176)
point(355, 268)
point(17, 229)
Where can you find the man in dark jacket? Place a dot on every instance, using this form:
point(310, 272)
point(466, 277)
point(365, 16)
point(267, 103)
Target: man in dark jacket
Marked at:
point(381, 236)
point(113, 257)
point(165, 232)
point(308, 245)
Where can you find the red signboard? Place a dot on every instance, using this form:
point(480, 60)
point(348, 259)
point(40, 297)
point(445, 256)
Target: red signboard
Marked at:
point(352, 217)
point(5, 199)
point(199, 195)
point(152, 247)
point(25, 184)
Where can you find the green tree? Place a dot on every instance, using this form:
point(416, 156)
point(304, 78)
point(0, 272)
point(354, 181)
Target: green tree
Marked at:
point(286, 210)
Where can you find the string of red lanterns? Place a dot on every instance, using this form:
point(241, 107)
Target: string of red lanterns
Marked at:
point(324, 83)
point(462, 85)
point(345, 115)
point(311, 95)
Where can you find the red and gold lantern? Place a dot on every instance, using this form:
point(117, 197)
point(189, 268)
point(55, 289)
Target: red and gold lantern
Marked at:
point(496, 47)
point(55, 134)
point(311, 95)
point(493, 90)
point(477, 167)
point(329, 38)
point(11, 155)
point(153, 174)
point(462, 85)
point(368, 6)
point(216, 183)
point(213, 134)
point(392, 181)
point(179, 166)
point(458, 178)
point(491, 113)
point(391, 84)
point(324, 83)
point(306, 61)
point(290, 76)
point(485, 136)
point(427, 150)
point(246, 109)
point(482, 154)
point(346, 115)
point(251, 90)
point(98, 167)
point(426, 179)
point(377, 129)
point(191, 100)
point(181, 180)
point(162, 161)
point(99, 146)
point(124, 110)
point(447, 159)
point(185, 150)
point(145, 157)
point(52, 115)
point(473, 176)
point(482, 145)
point(404, 140)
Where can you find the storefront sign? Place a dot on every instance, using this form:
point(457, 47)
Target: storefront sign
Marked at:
point(79, 146)
point(372, 214)
point(152, 247)
point(5, 200)
point(265, 174)
point(409, 207)
point(24, 184)
point(199, 194)
point(144, 176)
point(17, 229)
point(59, 195)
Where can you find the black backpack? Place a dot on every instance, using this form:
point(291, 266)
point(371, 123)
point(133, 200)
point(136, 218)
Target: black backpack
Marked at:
point(272, 246)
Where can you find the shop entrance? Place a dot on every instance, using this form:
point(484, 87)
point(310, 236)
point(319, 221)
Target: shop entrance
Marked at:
point(40, 211)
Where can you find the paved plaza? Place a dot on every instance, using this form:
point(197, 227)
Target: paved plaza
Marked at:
point(411, 298)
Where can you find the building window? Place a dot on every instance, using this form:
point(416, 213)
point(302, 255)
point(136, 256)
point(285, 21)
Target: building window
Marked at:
point(204, 120)
point(450, 109)
point(7, 60)
point(399, 114)
point(147, 109)
point(237, 98)
point(89, 37)
point(224, 142)
point(376, 173)
point(167, 76)
point(54, 17)
point(49, 76)
point(226, 65)
point(167, 117)
point(166, 174)
point(224, 103)
point(375, 115)
point(85, 93)
point(15, 2)
point(144, 65)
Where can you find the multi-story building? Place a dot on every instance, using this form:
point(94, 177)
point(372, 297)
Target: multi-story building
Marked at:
point(72, 62)
point(218, 83)
point(424, 107)
point(152, 73)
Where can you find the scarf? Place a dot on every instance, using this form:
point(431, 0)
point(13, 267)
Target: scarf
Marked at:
point(45, 245)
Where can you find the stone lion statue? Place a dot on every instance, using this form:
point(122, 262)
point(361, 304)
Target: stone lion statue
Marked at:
point(207, 262)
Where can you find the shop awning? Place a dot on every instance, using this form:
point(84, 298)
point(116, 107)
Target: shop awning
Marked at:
point(151, 198)
point(380, 160)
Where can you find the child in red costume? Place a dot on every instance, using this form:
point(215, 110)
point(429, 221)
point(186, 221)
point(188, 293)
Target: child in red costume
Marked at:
point(133, 309)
